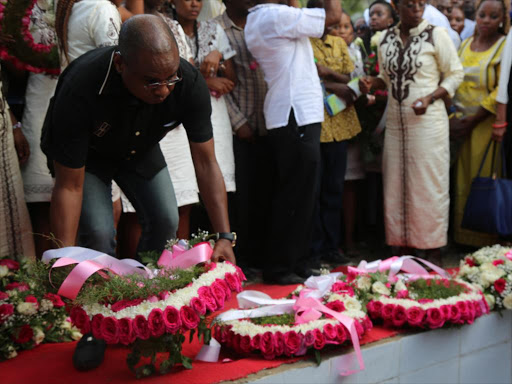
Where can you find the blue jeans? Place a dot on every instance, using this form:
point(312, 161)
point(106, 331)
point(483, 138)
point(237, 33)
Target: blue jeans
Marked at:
point(153, 200)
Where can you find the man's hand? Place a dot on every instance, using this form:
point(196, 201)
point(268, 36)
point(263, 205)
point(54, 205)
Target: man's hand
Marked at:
point(220, 85)
point(223, 251)
point(343, 91)
point(245, 133)
point(365, 85)
point(21, 145)
point(210, 64)
point(420, 105)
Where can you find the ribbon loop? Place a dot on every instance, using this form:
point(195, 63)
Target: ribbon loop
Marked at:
point(181, 258)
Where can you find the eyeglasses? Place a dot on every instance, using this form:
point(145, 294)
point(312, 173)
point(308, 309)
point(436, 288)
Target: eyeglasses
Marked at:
point(176, 79)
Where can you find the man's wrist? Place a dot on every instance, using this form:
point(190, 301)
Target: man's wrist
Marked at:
point(224, 236)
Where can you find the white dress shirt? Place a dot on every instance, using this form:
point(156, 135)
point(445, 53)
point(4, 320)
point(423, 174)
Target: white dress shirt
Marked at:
point(506, 62)
point(278, 38)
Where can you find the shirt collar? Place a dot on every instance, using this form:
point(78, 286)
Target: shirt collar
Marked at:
point(416, 30)
point(228, 23)
point(268, 5)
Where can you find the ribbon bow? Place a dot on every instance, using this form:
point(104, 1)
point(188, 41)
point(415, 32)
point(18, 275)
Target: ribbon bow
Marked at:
point(396, 264)
point(89, 262)
point(182, 258)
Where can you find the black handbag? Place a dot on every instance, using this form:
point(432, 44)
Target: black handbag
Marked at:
point(489, 205)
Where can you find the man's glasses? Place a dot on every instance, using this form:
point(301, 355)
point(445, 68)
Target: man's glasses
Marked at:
point(176, 79)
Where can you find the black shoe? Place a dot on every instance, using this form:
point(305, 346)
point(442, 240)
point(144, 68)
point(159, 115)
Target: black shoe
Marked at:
point(336, 258)
point(288, 278)
point(89, 353)
point(308, 268)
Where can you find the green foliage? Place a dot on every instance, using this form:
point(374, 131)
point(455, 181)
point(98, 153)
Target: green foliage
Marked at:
point(434, 289)
point(285, 319)
point(111, 288)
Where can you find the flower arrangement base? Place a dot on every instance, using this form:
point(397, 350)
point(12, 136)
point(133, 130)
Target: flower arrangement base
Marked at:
point(420, 302)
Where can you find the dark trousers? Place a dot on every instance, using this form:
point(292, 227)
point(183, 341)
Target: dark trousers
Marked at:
point(295, 165)
point(252, 198)
point(327, 232)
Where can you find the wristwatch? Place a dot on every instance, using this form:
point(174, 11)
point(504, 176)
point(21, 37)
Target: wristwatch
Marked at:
point(231, 236)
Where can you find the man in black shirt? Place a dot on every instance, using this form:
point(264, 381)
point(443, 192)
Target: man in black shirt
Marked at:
point(111, 108)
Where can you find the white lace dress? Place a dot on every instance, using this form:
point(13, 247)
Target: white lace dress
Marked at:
point(213, 38)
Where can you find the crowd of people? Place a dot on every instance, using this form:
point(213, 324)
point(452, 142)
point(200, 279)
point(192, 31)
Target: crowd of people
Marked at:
point(302, 129)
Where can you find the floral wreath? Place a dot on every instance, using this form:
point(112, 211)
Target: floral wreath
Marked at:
point(25, 53)
point(293, 331)
point(419, 301)
point(490, 269)
point(147, 308)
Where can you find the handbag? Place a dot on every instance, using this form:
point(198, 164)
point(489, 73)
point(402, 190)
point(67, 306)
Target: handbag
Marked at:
point(489, 205)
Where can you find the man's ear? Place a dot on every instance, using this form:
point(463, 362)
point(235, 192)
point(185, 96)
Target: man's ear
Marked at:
point(118, 62)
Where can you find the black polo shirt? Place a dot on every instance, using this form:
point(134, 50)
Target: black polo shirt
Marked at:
point(94, 121)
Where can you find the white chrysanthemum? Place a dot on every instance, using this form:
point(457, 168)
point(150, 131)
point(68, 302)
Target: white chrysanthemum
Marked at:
point(76, 335)
point(38, 335)
point(507, 301)
point(3, 271)
point(491, 301)
point(364, 283)
point(380, 288)
point(488, 278)
point(467, 270)
point(26, 308)
point(352, 304)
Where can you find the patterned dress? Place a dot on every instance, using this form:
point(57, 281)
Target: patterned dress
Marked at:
point(416, 156)
point(15, 229)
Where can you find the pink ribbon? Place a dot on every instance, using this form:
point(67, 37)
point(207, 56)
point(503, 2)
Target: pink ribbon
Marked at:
point(309, 309)
point(508, 255)
point(396, 264)
point(181, 258)
point(88, 262)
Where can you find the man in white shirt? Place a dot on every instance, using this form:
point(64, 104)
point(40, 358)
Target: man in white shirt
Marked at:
point(278, 35)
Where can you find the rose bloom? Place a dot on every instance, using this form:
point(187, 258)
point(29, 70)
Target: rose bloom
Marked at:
point(96, 325)
point(399, 316)
point(336, 306)
point(18, 286)
point(141, 328)
point(507, 301)
point(232, 281)
point(109, 330)
point(55, 299)
point(387, 311)
point(11, 264)
point(267, 344)
point(198, 306)
point(255, 341)
point(245, 344)
point(3, 296)
point(24, 334)
point(319, 339)
point(225, 287)
point(309, 339)
point(206, 296)
point(219, 294)
point(435, 318)
point(341, 334)
point(172, 320)
point(156, 322)
point(292, 342)
point(415, 316)
point(499, 285)
point(279, 343)
point(6, 311)
point(126, 335)
point(189, 317)
point(330, 332)
point(80, 319)
point(497, 262)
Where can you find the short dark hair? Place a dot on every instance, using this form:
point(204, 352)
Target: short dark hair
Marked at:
point(145, 32)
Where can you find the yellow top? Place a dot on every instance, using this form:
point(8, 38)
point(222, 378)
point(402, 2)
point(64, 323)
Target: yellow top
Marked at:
point(333, 53)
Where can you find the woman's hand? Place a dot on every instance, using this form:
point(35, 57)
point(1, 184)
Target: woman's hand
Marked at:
point(420, 105)
point(499, 128)
point(220, 85)
point(365, 85)
point(210, 64)
point(460, 128)
point(21, 145)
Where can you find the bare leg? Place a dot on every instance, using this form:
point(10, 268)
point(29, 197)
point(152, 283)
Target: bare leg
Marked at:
point(184, 223)
point(128, 236)
point(40, 217)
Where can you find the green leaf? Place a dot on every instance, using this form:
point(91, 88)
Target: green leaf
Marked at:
point(187, 362)
point(192, 331)
point(166, 366)
point(318, 357)
point(207, 336)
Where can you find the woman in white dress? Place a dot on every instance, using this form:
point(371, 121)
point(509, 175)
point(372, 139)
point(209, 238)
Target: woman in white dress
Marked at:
point(212, 53)
point(419, 67)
